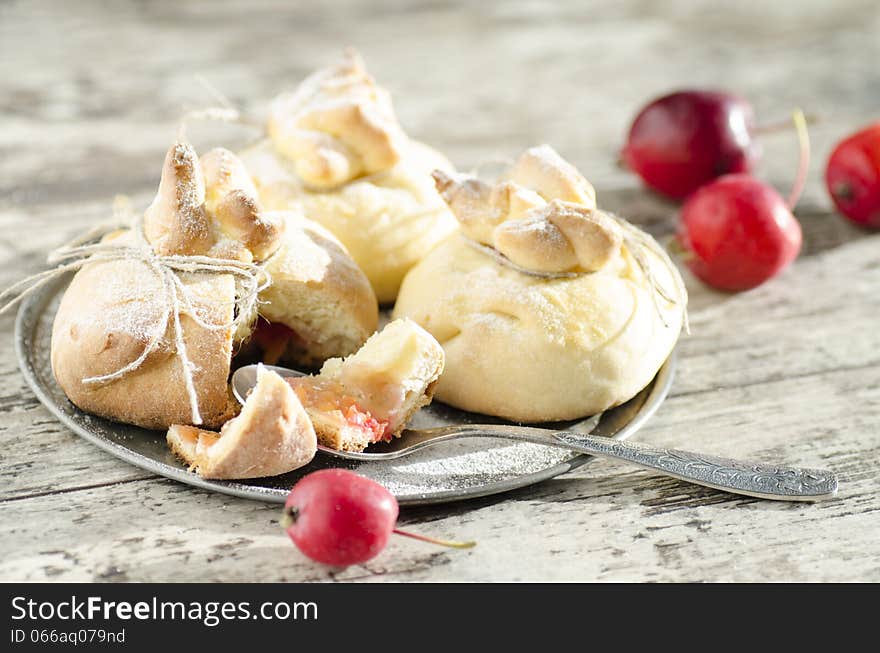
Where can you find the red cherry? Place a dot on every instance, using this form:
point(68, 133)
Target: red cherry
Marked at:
point(739, 233)
point(683, 140)
point(339, 518)
point(853, 177)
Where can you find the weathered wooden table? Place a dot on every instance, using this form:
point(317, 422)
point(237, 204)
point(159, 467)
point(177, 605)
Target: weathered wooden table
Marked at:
point(91, 94)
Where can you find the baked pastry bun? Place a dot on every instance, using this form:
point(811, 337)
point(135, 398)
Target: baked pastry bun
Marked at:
point(547, 308)
point(370, 395)
point(146, 332)
point(336, 152)
point(272, 435)
point(110, 313)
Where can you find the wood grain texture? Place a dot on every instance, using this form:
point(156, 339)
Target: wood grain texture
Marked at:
point(91, 93)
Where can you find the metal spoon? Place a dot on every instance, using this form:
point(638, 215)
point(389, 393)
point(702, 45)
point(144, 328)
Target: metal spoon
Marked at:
point(765, 481)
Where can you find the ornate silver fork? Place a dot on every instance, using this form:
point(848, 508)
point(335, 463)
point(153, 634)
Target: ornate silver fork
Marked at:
point(762, 480)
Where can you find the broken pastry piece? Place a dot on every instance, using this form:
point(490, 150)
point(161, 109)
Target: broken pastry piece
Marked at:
point(369, 396)
point(577, 314)
point(336, 152)
point(272, 435)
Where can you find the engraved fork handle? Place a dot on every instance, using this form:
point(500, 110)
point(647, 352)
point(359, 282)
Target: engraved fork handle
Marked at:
point(766, 481)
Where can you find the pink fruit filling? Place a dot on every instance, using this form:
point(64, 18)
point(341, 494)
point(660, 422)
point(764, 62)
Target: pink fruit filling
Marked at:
point(330, 398)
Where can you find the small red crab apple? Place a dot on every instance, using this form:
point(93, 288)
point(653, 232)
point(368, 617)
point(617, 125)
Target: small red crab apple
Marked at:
point(683, 140)
point(340, 518)
point(853, 177)
point(738, 232)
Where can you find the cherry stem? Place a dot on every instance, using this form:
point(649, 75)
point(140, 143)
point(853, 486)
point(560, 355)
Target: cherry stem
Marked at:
point(434, 540)
point(843, 191)
point(772, 127)
point(800, 125)
point(675, 247)
point(289, 517)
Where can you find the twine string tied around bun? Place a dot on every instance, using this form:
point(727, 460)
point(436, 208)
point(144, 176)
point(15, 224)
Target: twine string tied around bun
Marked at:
point(176, 300)
point(637, 243)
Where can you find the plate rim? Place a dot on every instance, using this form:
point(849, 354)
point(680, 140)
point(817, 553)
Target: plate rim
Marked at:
point(33, 306)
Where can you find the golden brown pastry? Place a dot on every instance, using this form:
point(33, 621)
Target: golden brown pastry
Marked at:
point(272, 435)
point(547, 308)
point(109, 314)
point(182, 221)
point(318, 294)
point(336, 152)
point(166, 298)
point(551, 224)
point(370, 395)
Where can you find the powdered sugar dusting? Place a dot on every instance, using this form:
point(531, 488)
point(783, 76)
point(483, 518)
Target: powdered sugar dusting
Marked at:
point(337, 125)
point(131, 298)
point(190, 189)
point(544, 170)
point(456, 466)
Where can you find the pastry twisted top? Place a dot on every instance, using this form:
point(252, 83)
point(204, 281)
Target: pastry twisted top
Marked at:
point(209, 207)
point(542, 215)
point(337, 125)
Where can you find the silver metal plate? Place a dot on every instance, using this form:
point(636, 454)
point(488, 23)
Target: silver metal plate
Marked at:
point(446, 472)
